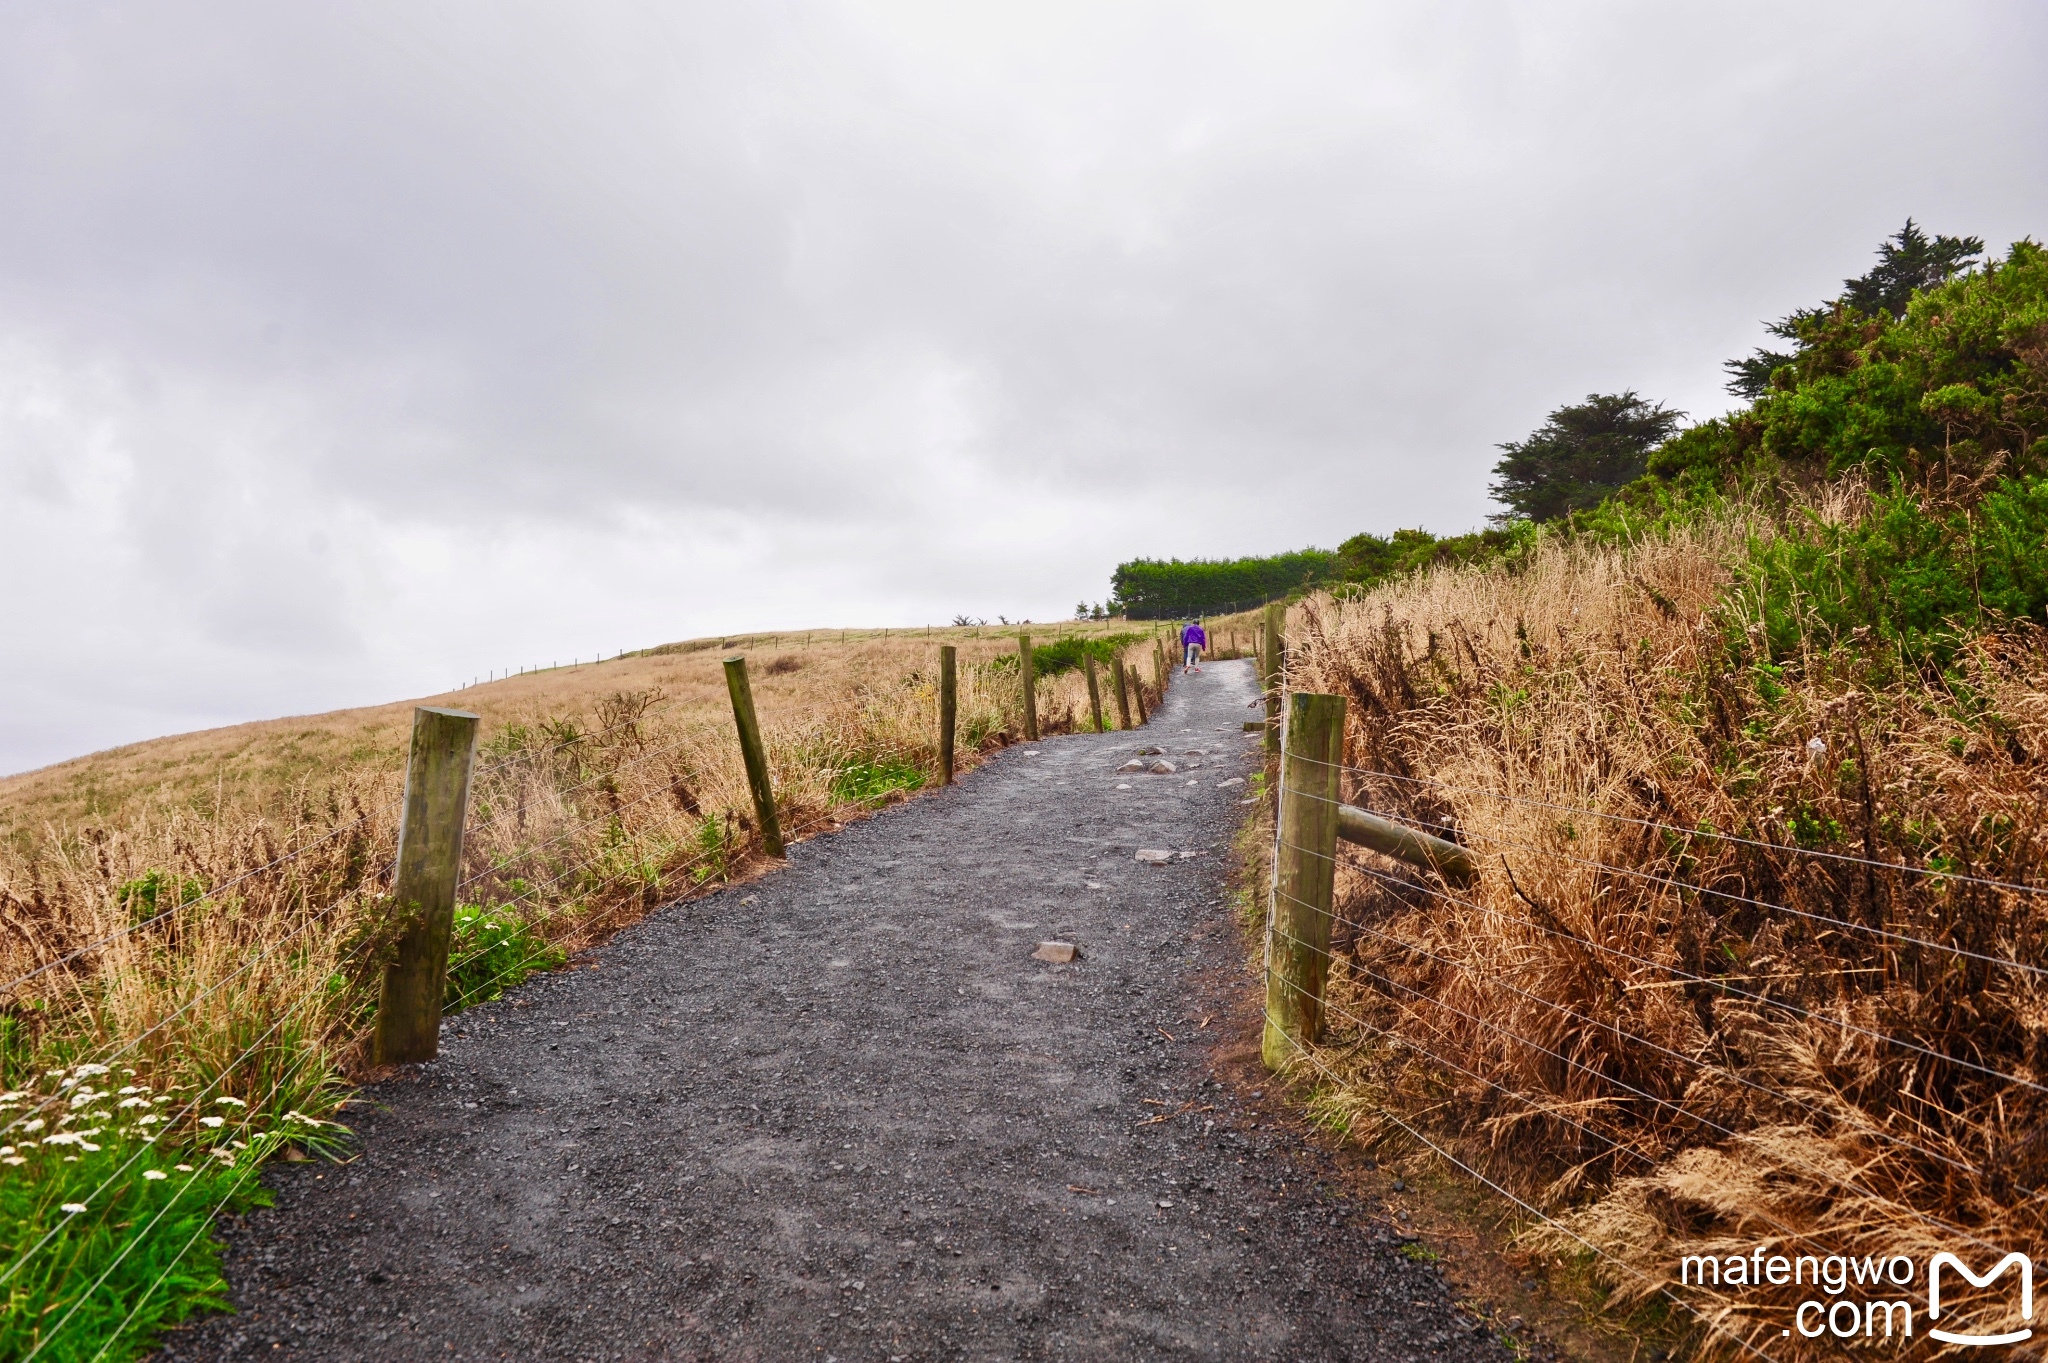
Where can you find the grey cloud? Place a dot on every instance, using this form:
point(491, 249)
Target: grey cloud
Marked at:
point(645, 320)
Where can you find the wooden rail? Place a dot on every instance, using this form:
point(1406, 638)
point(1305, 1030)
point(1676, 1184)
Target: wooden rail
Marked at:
point(1420, 850)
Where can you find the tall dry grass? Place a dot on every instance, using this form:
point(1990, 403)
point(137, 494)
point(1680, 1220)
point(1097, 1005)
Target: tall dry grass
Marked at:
point(1674, 1043)
point(208, 910)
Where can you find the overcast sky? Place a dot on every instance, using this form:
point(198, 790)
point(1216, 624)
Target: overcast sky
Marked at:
point(350, 350)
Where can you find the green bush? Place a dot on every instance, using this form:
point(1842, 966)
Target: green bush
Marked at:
point(490, 950)
point(152, 892)
point(1912, 576)
point(1958, 383)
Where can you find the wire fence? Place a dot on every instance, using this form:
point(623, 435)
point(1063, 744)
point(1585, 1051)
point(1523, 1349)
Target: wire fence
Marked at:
point(131, 1174)
point(1620, 1095)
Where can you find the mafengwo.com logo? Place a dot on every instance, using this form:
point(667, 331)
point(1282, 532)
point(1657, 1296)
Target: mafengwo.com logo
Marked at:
point(1874, 1298)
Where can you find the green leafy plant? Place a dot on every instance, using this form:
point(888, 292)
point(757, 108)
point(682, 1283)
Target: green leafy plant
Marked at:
point(1065, 655)
point(872, 780)
point(490, 949)
point(108, 1190)
point(152, 892)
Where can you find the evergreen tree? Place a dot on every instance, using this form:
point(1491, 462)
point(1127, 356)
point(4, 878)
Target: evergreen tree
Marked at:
point(1579, 455)
point(1907, 263)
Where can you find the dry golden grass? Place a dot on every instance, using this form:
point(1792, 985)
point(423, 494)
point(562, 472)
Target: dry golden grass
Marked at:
point(1671, 1042)
point(206, 908)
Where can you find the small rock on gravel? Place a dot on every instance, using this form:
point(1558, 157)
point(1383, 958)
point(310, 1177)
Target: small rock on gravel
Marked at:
point(1059, 953)
point(1162, 768)
point(1154, 856)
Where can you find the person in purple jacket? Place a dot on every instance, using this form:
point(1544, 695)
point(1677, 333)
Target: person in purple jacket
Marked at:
point(1192, 641)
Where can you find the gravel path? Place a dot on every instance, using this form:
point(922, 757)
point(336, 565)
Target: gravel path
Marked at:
point(841, 1114)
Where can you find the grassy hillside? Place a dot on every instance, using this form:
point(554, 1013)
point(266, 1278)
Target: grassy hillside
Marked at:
point(193, 928)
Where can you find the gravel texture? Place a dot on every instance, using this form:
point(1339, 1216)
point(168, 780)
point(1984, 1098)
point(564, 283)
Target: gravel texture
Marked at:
point(841, 1113)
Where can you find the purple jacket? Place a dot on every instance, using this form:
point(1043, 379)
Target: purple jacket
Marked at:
point(1193, 635)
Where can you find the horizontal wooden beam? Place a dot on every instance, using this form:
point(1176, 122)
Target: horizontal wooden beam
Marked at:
point(1452, 862)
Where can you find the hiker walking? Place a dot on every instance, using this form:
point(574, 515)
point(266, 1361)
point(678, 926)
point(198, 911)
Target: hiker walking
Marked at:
point(1192, 641)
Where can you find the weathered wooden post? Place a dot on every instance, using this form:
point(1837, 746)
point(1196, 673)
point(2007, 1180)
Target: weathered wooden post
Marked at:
point(1094, 690)
point(949, 710)
point(423, 890)
point(1123, 695)
point(1030, 681)
point(754, 753)
point(1304, 876)
point(1138, 694)
point(1276, 616)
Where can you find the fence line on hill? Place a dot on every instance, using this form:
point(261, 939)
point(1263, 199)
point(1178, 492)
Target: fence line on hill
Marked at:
point(441, 778)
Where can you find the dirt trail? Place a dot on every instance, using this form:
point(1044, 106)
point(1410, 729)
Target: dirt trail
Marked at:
point(841, 1114)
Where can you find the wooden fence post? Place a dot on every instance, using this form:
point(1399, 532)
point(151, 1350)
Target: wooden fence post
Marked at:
point(423, 890)
point(1138, 694)
point(754, 753)
point(1030, 681)
point(1094, 690)
point(949, 709)
point(1276, 616)
point(1123, 697)
point(1304, 876)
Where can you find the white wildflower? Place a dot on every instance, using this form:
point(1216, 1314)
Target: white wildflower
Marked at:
point(63, 1138)
point(183, 1168)
point(12, 1159)
point(225, 1156)
point(13, 1096)
point(87, 1145)
point(231, 1102)
point(73, 1208)
point(154, 1174)
point(33, 1124)
point(151, 1120)
point(133, 1102)
point(71, 1159)
point(134, 1088)
point(239, 1145)
point(68, 1083)
point(213, 1121)
point(89, 1071)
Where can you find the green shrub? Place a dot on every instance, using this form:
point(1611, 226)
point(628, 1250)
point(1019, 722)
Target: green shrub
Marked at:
point(152, 892)
point(490, 950)
point(1915, 577)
